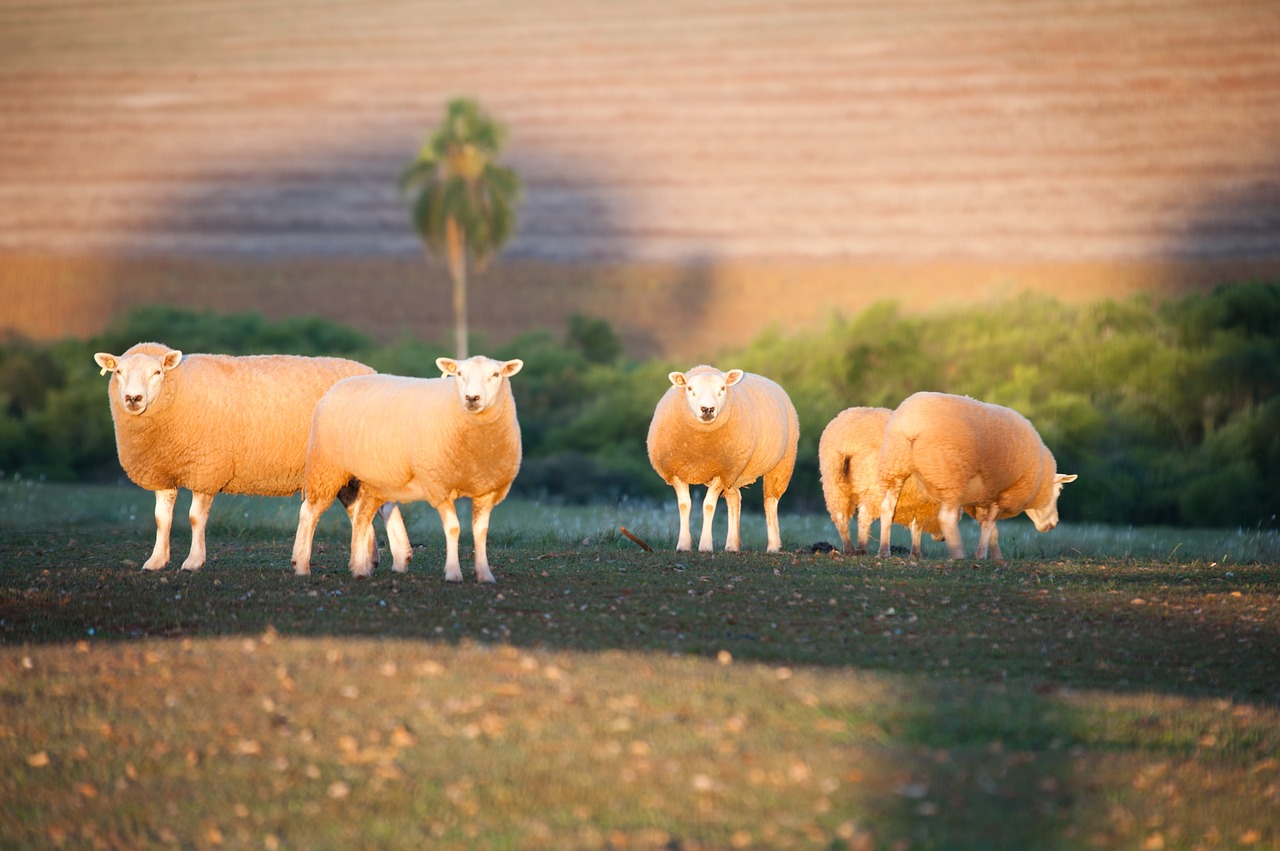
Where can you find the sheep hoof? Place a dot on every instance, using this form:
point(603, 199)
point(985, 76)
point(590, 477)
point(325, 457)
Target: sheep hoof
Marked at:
point(302, 570)
point(156, 566)
point(192, 567)
point(455, 576)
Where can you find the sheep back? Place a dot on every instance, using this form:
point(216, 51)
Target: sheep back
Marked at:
point(758, 434)
point(967, 452)
point(223, 423)
point(409, 439)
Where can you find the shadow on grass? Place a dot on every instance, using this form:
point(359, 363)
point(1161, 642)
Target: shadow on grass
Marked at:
point(978, 754)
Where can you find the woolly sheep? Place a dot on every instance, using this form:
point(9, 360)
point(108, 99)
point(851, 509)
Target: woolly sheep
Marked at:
point(970, 455)
point(849, 463)
point(409, 439)
point(724, 430)
point(214, 423)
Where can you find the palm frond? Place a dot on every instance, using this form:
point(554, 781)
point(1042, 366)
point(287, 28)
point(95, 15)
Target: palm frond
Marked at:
point(455, 176)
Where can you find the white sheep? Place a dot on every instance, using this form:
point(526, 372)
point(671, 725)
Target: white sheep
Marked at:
point(849, 463)
point(214, 423)
point(969, 455)
point(409, 439)
point(724, 430)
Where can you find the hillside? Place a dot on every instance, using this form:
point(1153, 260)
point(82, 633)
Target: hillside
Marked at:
point(695, 171)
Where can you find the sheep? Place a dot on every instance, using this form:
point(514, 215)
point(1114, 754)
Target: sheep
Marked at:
point(409, 439)
point(724, 430)
point(969, 455)
point(215, 423)
point(849, 463)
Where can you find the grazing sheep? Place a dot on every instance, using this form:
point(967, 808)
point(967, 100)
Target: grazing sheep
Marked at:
point(970, 455)
point(724, 430)
point(214, 423)
point(849, 462)
point(409, 439)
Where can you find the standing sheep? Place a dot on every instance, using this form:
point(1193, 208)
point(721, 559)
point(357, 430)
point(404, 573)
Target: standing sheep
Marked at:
point(409, 439)
point(969, 455)
point(724, 430)
point(849, 462)
point(214, 423)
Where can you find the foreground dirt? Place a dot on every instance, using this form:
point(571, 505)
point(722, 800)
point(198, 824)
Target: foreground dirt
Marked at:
point(695, 172)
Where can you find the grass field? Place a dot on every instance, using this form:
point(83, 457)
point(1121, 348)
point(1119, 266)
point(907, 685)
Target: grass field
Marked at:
point(604, 697)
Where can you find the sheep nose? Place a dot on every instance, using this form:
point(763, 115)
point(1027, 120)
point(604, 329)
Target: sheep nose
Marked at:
point(471, 400)
point(133, 400)
point(708, 412)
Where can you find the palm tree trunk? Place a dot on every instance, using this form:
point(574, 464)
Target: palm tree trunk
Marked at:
point(456, 246)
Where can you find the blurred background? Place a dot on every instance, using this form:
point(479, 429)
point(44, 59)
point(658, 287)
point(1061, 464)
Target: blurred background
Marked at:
point(1034, 202)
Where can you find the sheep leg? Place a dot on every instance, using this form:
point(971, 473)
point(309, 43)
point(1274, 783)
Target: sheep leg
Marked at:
point(199, 516)
point(684, 503)
point(165, 500)
point(771, 524)
point(949, 519)
point(363, 542)
point(995, 543)
point(916, 533)
point(887, 508)
point(308, 517)
point(714, 489)
point(397, 537)
point(840, 519)
point(449, 519)
point(350, 495)
point(864, 531)
point(480, 509)
point(733, 502)
point(987, 535)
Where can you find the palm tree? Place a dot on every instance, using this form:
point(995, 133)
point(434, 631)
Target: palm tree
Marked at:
point(463, 202)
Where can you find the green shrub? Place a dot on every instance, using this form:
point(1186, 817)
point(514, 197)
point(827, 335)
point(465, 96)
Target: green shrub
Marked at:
point(1170, 413)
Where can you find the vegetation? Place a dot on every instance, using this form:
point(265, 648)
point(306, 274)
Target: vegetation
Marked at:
point(463, 201)
point(1169, 412)
point(604, 697)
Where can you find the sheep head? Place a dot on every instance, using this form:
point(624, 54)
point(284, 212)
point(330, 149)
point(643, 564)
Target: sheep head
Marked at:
point(706, 390)
point(139, 376)
point(1046, 517)
point(478, 379)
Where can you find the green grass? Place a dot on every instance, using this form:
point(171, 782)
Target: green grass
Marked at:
point(1104, 688)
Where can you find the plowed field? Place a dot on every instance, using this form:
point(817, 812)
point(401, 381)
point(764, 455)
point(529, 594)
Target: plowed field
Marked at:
point(695, 172)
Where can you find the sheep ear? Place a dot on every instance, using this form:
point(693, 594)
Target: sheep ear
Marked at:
point(677, 378)
point(107, 361)
point(447, 366)
point(512, 366)
point(1062, 478)
point(733, 376)
point(171, 358)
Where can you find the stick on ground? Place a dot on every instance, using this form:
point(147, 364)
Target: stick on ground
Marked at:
point(643, 545)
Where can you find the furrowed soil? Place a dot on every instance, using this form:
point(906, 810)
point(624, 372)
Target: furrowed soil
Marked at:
point(695, 173)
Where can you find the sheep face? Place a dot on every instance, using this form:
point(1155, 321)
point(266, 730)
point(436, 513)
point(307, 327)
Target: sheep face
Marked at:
point(139, 377)
point(706, 390)
point(1046, 518)
point(478, 379)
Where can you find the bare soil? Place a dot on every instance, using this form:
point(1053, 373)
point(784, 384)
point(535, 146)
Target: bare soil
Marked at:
point(695, 172)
